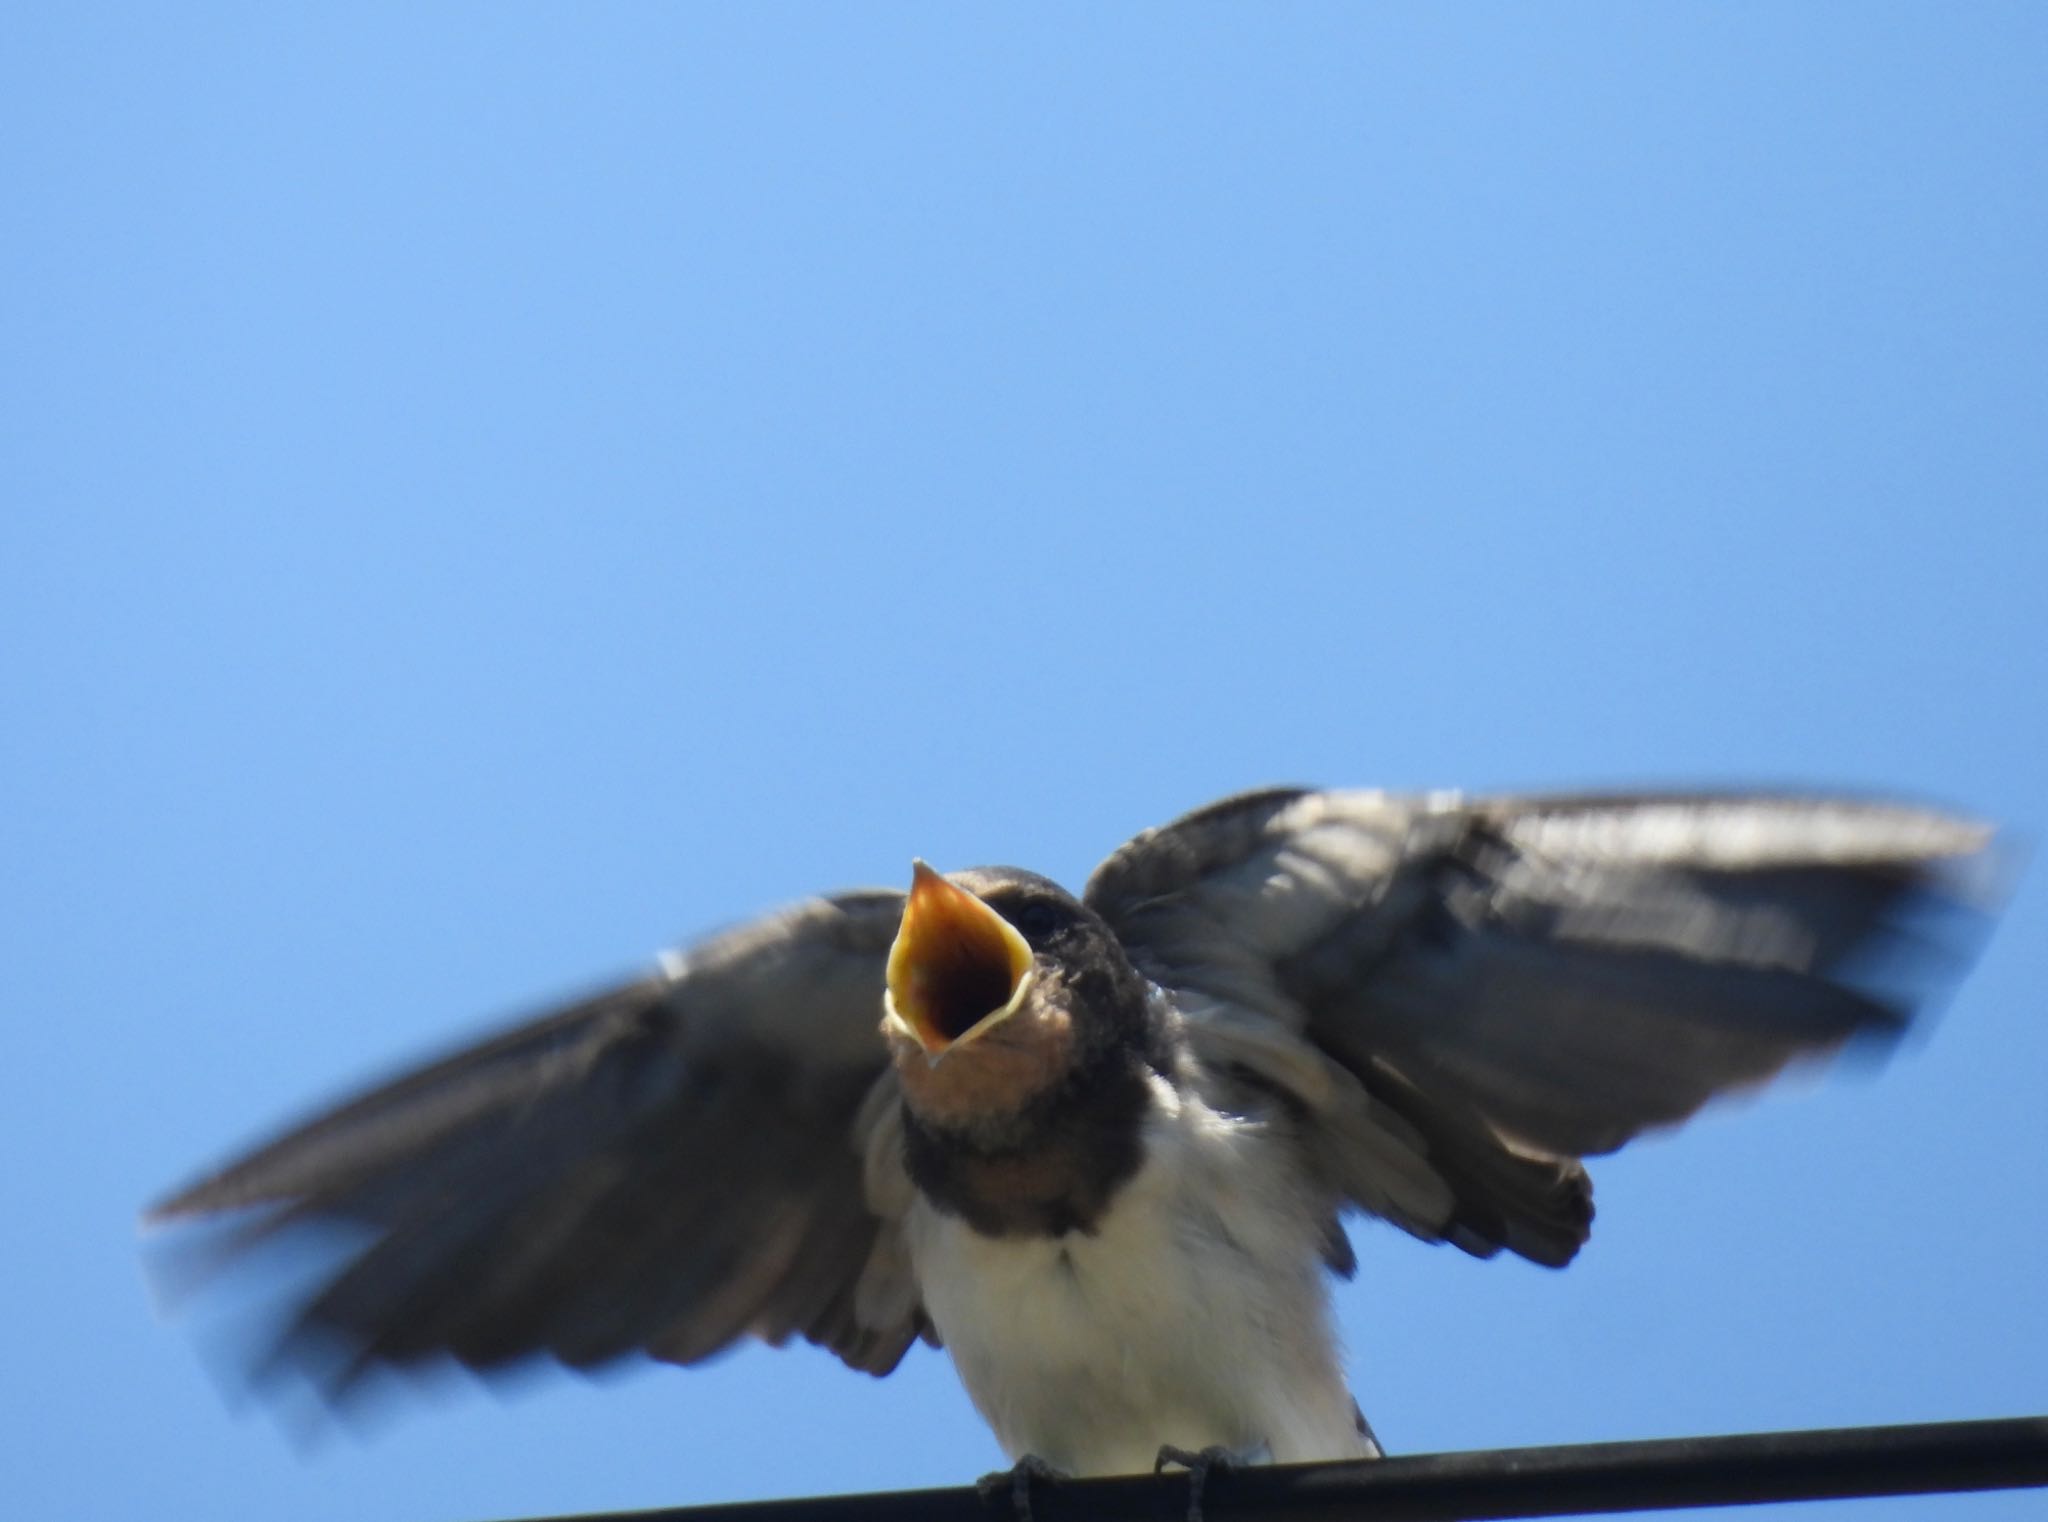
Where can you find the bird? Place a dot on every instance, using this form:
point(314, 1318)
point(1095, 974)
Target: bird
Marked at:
point(1102, 1148)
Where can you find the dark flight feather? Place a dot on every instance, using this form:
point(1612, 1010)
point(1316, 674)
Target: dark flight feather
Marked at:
point(662, 1168)
point(1525, 982)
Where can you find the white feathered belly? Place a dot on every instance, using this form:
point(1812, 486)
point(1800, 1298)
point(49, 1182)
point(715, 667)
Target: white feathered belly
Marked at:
point(1195, 1315)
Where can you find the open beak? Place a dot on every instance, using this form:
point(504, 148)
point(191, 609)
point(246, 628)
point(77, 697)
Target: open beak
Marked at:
point(958, 968)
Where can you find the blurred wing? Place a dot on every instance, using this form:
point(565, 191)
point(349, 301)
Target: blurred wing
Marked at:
point(1469, 995)
point(665, 1167)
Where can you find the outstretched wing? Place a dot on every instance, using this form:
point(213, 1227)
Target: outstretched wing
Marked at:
point(1467, 996)
point(665, 1167)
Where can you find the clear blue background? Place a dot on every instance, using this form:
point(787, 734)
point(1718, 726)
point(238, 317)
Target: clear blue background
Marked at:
point(492, 490)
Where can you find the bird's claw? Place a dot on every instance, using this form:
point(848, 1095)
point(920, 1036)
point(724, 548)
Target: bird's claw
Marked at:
point(1199, 1465)
point(1017, 1481)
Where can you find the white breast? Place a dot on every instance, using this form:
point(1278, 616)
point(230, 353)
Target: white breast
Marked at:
point(1195, 1315)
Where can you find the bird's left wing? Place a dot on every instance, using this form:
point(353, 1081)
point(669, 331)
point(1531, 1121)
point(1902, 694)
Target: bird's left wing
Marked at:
point(665, 1167)
point(1467, 995)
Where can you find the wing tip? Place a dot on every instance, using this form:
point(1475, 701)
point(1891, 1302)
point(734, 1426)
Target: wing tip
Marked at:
point(192, 1201)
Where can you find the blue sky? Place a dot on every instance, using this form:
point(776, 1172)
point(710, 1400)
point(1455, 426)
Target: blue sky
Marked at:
point(493, 490)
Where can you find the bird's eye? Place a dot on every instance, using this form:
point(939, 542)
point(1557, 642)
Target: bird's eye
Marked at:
point(1036, 918)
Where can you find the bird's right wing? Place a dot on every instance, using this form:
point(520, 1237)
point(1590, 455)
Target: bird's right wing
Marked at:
point(665, 1167)
point(1468, 995)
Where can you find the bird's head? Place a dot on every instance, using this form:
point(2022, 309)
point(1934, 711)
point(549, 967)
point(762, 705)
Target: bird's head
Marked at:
point(1001, 986)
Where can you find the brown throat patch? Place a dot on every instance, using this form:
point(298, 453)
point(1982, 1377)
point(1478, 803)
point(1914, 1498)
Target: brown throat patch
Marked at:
point(980, 1084)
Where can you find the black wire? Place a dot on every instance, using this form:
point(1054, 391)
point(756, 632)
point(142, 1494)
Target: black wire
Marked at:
point(1586, 1480)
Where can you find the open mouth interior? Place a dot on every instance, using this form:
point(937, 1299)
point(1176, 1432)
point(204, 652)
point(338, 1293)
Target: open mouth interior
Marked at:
point(957, 992)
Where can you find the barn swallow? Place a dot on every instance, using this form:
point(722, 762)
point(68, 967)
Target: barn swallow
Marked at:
point(1102, 1148)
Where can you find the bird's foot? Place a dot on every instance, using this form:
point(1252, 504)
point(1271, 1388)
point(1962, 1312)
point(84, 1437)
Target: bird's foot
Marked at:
point(1017, 1481)
point(1199, 1465)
